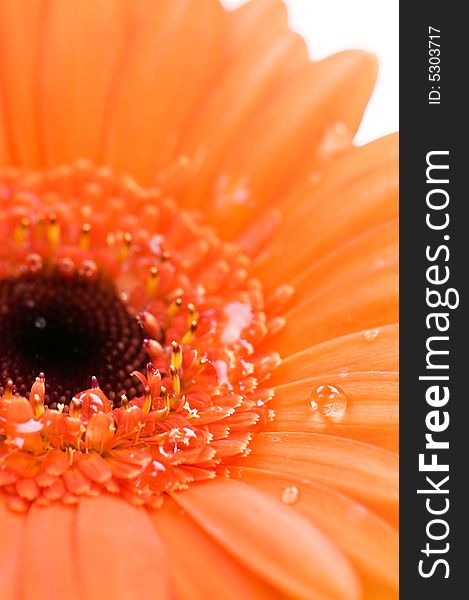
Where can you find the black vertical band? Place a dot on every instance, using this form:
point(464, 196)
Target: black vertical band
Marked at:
point(434, 198)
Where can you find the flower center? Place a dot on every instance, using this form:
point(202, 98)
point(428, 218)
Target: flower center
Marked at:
point(131, 341)
point(72, 329)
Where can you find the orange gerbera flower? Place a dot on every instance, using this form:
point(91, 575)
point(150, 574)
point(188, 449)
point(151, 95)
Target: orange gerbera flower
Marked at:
point(198, 307)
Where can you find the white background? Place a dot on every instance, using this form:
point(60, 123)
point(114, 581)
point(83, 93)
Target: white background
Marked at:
point(332, 25)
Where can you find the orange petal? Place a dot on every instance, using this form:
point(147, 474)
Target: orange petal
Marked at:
point(370, 414)
point(364, 472)
point(169, 64)
point(369, 542)
point(367, 303)
point(271, 154)
point(200, 568)
point(344, 169)
point(56, 462)
point(261, 51)
point(320, 221)
point(376, 249)
point(11, 546)
point(72, 115)
point(18, 78)
point(76, 482)
point(120, 556)
point(5, 158)
point(359, 351)
point(256, 25)
point(94, 467)
point(50, 575)
point(269, 538)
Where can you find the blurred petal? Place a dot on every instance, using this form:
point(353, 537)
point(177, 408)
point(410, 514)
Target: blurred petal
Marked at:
point(351, 353)
point(359, 470)
point(274, 541)
point(269, 156)
point(72, 114)
point(376, 250)
point(365, 303)
point(11, 546)
point(45, 574)
point(162, 83)
point(369, 542)
point(200, 568)
point(21, 35)
point(120, 555)
point(321, 220)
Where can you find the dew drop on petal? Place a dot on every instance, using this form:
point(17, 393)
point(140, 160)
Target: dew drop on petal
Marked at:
point(336, 138)
point(328, 401)
point(290, 494)
point(370, 334)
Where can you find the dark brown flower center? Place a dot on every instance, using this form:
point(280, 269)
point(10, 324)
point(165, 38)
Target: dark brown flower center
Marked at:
point(71, 328)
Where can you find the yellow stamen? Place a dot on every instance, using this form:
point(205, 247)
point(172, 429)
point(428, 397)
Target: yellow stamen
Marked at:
point(126, 247)
point(193, 316)
point(85, 236)
point(174, 308)
point(153, 280)
point(38, 406)
point(147, 401)
point(176, 379)
point(53, 230)
point(176, 355)
point(8, 393)
point(20, 232)
point(124, 402)
point(165, 397)
point(190, 335)
point(75, 408)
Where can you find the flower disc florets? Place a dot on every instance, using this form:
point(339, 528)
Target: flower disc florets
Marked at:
point(100, 277)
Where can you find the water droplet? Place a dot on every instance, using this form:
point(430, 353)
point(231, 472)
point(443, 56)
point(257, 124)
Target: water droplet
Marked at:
point(40, 323)
point(336, 138)
point(370, 334)
point(328, 401)
point(242, 195)
point(290, 494)
point(229, 192)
